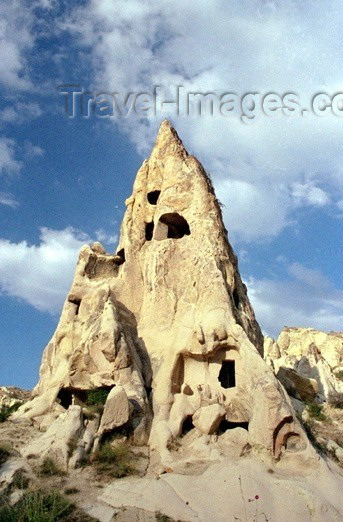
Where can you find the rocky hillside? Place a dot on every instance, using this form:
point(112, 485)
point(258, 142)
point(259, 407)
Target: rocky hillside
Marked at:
point(309, 364)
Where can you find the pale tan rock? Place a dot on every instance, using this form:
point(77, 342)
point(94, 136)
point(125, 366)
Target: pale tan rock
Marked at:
point(10, 395)
point(55, 442)
point(228, 489)
point(302, 388)
point(311, 354)
point(116, 411)
point(207, 418)
point(168, 313)
point(10, 469)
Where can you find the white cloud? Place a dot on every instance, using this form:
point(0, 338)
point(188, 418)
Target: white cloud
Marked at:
point(310, 277)
point(32, 150)
point(250, 210)
point(253, 46)
point(307, 299)
point(41, 274)
point(8, 162)
point(105, 237)
point(16, 40)
point(8, 200)
point(20, 112)
point(309, 194)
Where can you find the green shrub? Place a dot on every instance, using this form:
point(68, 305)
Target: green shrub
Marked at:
point(6, 411)
point(49, 468)
point(37, 506)
point(114, 459)
point(97, 396)
point(339, 375)
point(20, 480)
point(315, 411)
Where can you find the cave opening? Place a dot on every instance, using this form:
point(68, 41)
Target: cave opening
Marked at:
point(172, 226)
point(120, 257)
point(67, 395)
point(227, 425)
point(149, 230)
point(187, 425)
point(236, 299)
point(153, 196)
point(227, 374)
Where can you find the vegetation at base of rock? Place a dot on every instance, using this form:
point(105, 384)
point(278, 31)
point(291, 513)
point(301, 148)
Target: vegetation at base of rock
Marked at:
point(37, 506)
point(72, 445)
point(163, 518)
point(20, 480)
point(97, 396)
point(6, 411)
point(315, 411)
point(93, 411)
point(115, 460)
point(4, 453)
point(49, 468)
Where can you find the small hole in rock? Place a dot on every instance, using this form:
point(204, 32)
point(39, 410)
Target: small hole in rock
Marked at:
point(187, 425)
point(149, 230)
point(153, 196)
point(236, 299)
point(120, 257)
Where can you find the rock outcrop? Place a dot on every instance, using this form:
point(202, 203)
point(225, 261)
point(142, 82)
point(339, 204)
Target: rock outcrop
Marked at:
point(10, 395)
point(312, 360)
point(167, 319)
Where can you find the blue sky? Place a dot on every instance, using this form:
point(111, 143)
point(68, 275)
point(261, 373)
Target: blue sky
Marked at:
point(63, 181)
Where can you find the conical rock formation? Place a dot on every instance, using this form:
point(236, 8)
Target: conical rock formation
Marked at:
point(169, 320)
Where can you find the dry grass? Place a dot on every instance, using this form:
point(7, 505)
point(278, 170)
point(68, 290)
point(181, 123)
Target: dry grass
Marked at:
point(115, 460)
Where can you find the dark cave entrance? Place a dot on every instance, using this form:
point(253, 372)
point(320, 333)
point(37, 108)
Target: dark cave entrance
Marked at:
point(153, 196)
point(227, 374)
point(172, 226)
point(187, 425)
point(120, 257)
point(227, 425)
point(236, 298)
point(149, 230)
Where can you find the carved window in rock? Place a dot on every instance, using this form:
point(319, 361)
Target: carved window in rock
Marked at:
point(149, 230)
point(120, 257)
point(153, 196)
point(227, 374)
point(172, 226)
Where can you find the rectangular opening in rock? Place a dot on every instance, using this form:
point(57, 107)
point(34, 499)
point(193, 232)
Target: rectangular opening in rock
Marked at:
point(227, 375)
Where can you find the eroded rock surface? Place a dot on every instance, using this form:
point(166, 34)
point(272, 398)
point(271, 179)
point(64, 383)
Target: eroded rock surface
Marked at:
point(306, 354)
point(167, 319)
